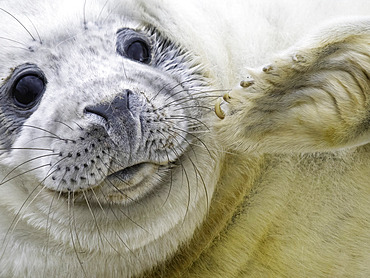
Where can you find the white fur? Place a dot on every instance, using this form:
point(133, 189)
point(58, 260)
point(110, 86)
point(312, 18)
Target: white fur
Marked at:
point(39, 234)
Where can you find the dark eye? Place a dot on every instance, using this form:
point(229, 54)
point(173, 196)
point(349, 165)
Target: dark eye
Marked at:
point(138, 51)
point(133, 45)
point(28, 90)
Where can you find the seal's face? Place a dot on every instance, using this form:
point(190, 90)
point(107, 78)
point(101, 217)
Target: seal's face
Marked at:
point(118, 120)
point(102, 134)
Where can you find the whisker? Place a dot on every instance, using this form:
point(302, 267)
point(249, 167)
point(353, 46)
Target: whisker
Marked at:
point(48, 228)
point(104, 212)
point(183, 137)
point(101, 235)
point(28, 171)
point(119, 222)
point(192, 107)
point(109, 183)
point(102, 9)
point(34, 27)
point(196, 171)
point(93, 216)
point(21, 43)
point(71, 219)
point(16, 218)
point(186, 117)
point(113, 159)
point(23, 163)
point(190, 97)
point(130, 219)
point(109, 14)
point(188, 183)
point(80, 127)
point(196, 137)
point(44, 137)
point(18, 47)
point(5, 11)
point(57, 169)
point(170, 90)
point(179, 92)
point(171, 174)
point(84, 15)
point(119, 190)
point(74, 222)
point(184, 100)
point(63, 123)
point(42, 129)
point(32, 149)
point(202, 91)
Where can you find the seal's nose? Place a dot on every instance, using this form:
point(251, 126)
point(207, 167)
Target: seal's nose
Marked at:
point(119, 108)
point(121, 118)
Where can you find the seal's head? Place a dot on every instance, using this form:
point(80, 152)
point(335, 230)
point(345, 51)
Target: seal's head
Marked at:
point(102, 125)
point(120, 117)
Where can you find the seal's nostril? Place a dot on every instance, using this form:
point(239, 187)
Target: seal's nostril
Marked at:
point(100, 110)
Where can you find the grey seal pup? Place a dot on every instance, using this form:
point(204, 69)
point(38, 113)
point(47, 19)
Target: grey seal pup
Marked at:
point(114, 164)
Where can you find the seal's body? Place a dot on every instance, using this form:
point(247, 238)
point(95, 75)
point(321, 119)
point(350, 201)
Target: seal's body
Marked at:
point(113, 163)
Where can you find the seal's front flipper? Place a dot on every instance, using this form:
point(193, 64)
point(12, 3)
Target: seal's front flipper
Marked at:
point(313, 97)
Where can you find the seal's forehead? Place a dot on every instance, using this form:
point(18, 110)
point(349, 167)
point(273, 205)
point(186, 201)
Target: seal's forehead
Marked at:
point(57, 21)
point(28, 26)
point(62, 15)
point(54, 23)
point(69, 16)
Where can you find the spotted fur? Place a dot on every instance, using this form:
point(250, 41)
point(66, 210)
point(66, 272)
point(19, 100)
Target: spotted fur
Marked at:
point(120, 168)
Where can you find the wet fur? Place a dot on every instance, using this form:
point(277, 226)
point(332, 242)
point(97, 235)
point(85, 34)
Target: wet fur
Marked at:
point(276, 189)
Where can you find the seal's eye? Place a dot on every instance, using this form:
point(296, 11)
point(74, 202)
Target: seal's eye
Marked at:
point(133, 45)
point(28, 90)
point(138, 51)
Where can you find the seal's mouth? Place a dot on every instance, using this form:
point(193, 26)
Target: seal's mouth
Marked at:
point(122, 186)
point(131, 183)
point(126, 173)
point(132, 175)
